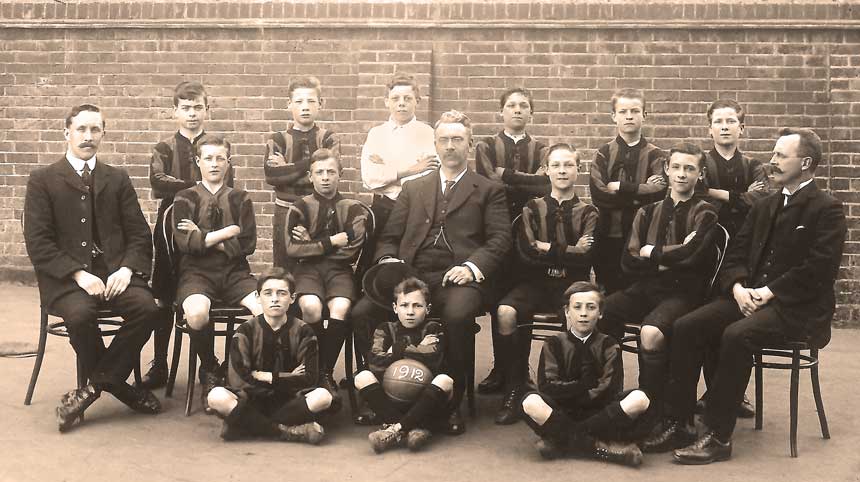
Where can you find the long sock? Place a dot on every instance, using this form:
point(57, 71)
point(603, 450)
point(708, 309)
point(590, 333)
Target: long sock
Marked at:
point(161, 336)
point(504, 354)
point(514, 369)
point(524, 342)
point(494, 325)
point(653, 373)
point(203, 342)
point(294, 412)
point(606, 423)
point(558, 428)
point(332, 341)
point(432, 397)
point(378, 401)
point(248, 419)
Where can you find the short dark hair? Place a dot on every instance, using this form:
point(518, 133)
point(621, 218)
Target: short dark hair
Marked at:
point(409, 285)
point(82, 108)
point(560, 146)
point(213, 140)
point(276, 273)
point(307, 82)
point(324, 154)
point(189, 90)
point(583, 287)
point(687, 148)
point(517, 90)
point(726, 104)
point(810, 144)
point(628, 94)
point(404, 79)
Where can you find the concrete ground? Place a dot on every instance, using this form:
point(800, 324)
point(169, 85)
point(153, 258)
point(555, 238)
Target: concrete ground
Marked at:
point(118, 445)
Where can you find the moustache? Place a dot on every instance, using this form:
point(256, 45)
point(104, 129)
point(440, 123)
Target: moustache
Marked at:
point(87, 144)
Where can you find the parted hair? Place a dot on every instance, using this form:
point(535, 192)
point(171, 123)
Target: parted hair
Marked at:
point(213, 140)
point(189, 90)
point(628, 94)
point(82, 108)
point(583, 287)
point(276, 273)
point(810, 144)
point(307, 82)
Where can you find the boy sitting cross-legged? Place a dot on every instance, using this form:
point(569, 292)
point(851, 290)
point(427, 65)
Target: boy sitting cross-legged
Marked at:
point(580, 404)
point(273, 371)
point(214, 230)
point(409, 337)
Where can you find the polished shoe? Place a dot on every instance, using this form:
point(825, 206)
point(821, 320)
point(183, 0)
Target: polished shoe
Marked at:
point(417, 438)
point(456, 425)
point(208, 381)
point(155, 377)
point(617, 453)
point(548, 449)
point(367, 417)
point(509, 413)
point(327, 382)
point(73, 404)
point(138, 399)
point(746, 409)
point(671, 436)
point(309, 433)
point(705, 450)
point(387, 438)
point(494, 383)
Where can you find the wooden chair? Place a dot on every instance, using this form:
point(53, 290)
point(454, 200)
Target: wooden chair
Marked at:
point(798, 361)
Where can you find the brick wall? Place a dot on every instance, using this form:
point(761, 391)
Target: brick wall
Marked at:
point(790, 64)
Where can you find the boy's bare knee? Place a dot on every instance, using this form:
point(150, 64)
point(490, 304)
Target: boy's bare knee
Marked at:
point(252, 303)
point(365, 378)
point(444, 382)
point(318, 400)
point(635, 403)
point(652, 338)
point(536, 408)
point(196, 310)
point(311, 308)
point(222, 400)
point(507, 319)
point(339, 307)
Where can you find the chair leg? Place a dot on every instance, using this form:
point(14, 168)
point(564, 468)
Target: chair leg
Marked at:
point(137, 373)
point(231, 329)
point(470, 379)
point(348, 372)
point(174, 362)
point(759, 392)
point(40, 355)
point(192, 376)
point(816, 392)
point(795, 378)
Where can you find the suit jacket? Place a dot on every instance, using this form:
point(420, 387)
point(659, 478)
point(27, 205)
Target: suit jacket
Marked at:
point(58, 233)
point(477, 224)
point(807, 253)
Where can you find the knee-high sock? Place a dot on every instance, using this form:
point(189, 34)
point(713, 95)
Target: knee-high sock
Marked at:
point(378, 401)
point(294, 412)
point(161, 335)
point(605, 422)
point(653, 373)
point(431, 399)
point(494, 325)
point(203, 342)
point(331, 342)
point(512, 363)
point(248, 419)
point(525, 344)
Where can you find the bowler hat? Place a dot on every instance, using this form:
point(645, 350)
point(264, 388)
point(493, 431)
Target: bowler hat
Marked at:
point(380, 280)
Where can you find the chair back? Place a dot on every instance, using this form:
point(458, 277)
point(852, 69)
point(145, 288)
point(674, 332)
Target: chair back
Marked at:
point(721, 245)
point(166, 233)
point(369, 229)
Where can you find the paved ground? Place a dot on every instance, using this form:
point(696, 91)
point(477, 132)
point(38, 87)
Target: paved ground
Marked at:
point(116, 444)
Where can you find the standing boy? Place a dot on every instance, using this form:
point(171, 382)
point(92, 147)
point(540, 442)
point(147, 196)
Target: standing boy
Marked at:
point(398, 150)
point(408, 337)
point(330, 231)
point(626, 173)
point(580, 407)
point(214, 231)
point(554, 245)
point(172, 169)
point(273, 371)
point(669, 254)
point(513, 158)
point(288, 157)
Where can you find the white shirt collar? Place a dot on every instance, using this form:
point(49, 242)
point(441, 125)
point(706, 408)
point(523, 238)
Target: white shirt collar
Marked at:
point(582, 339)
point(456, 179)
point(799, 187)
point(516, 138)
point(394, 125)
point(78, 163)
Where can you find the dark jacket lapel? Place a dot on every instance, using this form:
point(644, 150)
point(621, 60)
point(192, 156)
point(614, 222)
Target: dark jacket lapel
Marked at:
point(67, 173)
point(462, 190)
point(430, 188)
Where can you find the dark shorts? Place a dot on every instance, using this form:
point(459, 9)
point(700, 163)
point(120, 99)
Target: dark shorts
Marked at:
point(536, 296)
point(324, 278)
point(229, 285)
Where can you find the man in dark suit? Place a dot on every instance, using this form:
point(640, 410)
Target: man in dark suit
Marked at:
point(453, 227)
point(779, 272)
point(91, 246)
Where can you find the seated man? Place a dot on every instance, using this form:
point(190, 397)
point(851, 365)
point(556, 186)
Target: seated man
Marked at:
point(554, 248)
point(452, 226)
point(777, 281)
point(90, 246)
point(327, 233)
point(670, 253)
point(580, 407)
point(214, 230)
point(273, 371)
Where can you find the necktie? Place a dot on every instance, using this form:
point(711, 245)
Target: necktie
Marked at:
point(86, 176)
point(449, 185)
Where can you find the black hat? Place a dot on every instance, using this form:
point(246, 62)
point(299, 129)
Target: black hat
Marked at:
point(380, 280)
